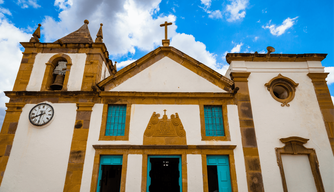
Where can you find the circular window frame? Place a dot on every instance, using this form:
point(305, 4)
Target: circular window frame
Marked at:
point(288, 84)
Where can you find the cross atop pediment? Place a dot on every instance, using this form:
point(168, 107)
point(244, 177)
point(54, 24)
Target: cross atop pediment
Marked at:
point(165, 42)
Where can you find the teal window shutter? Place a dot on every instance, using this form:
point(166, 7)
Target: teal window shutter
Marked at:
point(213, 116)
point(116, 120)
point(221, 163)
point(108, 160)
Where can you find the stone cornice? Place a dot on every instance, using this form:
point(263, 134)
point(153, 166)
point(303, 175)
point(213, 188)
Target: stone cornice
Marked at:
point(164, 146)
point(274, 57)
point(13, 94)
point(65, 45)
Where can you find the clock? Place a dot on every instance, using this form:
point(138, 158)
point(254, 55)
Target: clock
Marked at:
point(41, 114)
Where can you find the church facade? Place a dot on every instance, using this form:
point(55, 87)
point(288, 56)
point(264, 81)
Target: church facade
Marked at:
point(166, 122)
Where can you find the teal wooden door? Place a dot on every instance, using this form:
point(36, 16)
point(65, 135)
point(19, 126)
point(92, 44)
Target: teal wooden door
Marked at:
point(223, 171)
point(107, 160)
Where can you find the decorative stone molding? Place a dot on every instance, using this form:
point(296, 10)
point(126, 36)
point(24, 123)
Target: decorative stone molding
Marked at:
point(282, 89)
point(15, 107)
point(295, 146)
point(85, 106)
point(165, 131)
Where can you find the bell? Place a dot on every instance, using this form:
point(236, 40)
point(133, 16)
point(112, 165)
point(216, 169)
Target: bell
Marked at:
point(58, 83)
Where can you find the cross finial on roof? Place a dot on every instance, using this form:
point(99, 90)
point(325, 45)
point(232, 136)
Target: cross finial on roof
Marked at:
point(165, 42)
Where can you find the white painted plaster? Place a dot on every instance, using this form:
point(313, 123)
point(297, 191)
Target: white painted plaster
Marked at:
point(77, 71)
point(234, 127)
point(76, 74)
point(272, 121)
point(195, 172)
point(107, 73)
point(39, 155)
point(38, 69)
point(93, 136)
point(166, 75)
point(298, 173)
point(104, 71)
point(134, 173)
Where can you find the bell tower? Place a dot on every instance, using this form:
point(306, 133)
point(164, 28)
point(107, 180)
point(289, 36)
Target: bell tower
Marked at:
point(72, 63)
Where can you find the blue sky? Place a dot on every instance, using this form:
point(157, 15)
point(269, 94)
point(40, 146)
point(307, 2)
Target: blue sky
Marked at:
point(203, 29)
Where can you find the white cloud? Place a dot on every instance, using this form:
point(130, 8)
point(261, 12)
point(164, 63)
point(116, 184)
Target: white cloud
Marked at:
point(215, 14)
point(236, 10)
point(3, 100)
point(26, 3)
point(1, 1)
point(332, 98)
point(4, 12)
point(236, 49)
point(206, 3)
point(122, 64)
point(63, 4)
point(10, 55)
point(279, 30)
point(193, 48)
point(197, 50)
point(330, 77)
point(127, 24)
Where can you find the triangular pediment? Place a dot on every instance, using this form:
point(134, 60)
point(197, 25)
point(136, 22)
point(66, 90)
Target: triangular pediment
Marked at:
point(166, 69)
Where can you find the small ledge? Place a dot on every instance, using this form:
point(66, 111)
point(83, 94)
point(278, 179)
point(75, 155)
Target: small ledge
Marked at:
point(164, 146)
point(274, 57)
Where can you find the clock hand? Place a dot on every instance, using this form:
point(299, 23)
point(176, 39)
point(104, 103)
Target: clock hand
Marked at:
point(42, 113)
point(36, 116)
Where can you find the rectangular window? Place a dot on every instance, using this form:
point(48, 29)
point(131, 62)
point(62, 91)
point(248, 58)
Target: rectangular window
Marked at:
point(219, 178)
point(110, 173)
point(115, 125)
point(213, 117)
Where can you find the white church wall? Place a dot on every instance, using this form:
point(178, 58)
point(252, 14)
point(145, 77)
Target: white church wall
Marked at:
point(93, 137)
point(38, 70)
point(303, 118)
point(134, 173)
point(39, 155)
point(104, 72)
point(140, 116)
point(195, 176)
point(166, 75)
point(77, 71)
point(76, 74)
point(234, 126)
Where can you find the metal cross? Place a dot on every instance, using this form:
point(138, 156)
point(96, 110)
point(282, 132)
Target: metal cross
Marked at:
point(166, 24)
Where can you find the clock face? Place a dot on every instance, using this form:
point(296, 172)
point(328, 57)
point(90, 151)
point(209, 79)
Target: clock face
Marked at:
point(41, 114)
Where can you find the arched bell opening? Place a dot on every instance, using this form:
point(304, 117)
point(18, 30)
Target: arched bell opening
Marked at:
point(57, 73)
